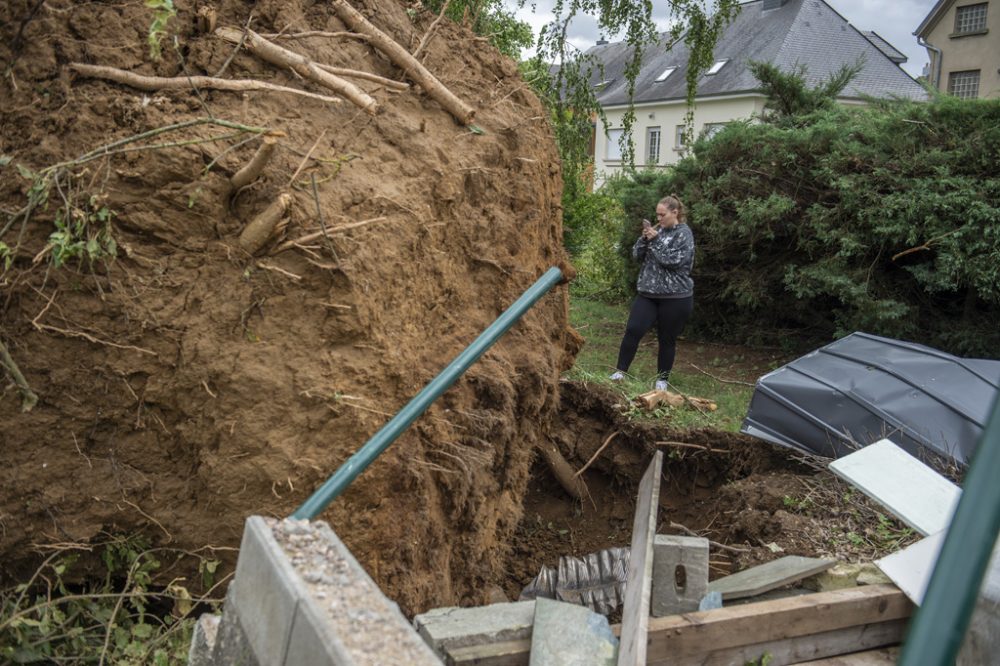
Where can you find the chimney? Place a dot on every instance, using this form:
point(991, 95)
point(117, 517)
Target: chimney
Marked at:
point(772, 4)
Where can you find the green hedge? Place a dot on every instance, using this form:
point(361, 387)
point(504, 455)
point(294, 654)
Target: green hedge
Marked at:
point(884, 219)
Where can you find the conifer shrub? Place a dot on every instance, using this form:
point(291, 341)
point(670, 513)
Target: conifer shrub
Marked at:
point(884, 219)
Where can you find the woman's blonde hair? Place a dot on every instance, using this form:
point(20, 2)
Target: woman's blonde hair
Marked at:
point(673, 203)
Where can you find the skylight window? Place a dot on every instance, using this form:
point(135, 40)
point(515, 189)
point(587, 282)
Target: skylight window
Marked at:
point(667, 72)
point(719, 64)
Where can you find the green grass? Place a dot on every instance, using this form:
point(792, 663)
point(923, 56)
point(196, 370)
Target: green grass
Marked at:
point(602, 326)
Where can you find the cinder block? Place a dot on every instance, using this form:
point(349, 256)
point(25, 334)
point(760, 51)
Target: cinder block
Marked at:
point(680, 574)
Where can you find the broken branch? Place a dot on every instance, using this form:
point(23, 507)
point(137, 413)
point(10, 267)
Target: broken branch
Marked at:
point(597, 453)
point(398, 55)
point(301, 65)
point(430, 30)
point(151, 83)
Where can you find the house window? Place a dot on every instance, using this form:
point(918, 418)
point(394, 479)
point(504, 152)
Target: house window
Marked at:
point(613, 152)
point(667, 72)
point(719, 64)
point(964, 85)
point(680, 137)
point(970, 18)
point(711, 129)
point(653, 145)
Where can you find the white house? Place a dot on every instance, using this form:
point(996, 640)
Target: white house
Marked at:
point(786, 33)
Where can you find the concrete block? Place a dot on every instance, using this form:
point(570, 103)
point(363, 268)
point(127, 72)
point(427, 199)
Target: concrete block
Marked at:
point(452, 627)
point(231, 643)
point(203, 640)
point(300, 598)
point(570, 635)
point(264, 593)
point(680, 574)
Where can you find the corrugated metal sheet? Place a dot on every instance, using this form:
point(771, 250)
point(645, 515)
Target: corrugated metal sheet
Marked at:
point(863, 388)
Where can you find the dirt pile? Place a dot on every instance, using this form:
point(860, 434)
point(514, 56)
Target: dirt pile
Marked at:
point(185, 384)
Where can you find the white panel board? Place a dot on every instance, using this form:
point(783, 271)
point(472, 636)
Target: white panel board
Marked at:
point(911, 568)
point(906, 487)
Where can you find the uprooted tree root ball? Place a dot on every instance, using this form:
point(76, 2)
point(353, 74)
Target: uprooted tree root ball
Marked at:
point(184, 383)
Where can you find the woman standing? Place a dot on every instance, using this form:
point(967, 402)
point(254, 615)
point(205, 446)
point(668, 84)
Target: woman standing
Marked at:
point(666, 290)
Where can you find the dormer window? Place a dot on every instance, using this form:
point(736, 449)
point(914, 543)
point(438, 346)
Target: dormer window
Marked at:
point(719, 64)
point(667, 72)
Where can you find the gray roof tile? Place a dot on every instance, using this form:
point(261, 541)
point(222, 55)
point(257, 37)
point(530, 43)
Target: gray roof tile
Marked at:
point(801, 32)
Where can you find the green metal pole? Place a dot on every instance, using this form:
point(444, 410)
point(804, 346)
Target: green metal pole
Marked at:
point(936, 632)
point(381, 440)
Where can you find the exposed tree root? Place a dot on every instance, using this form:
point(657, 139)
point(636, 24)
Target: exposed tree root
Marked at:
point(301, 65)
point(28, 397)
point(256, 234)
point(141, 82)
point(416, 71)
point(256, 165)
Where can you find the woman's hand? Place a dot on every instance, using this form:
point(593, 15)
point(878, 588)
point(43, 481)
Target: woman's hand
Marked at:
point(649, 233)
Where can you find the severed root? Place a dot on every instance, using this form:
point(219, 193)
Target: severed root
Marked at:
point(365, 76)
point(28, 397)
point(301, 65)
point(256, 234)
point(398, 55)
point(141, 82)
point(255, 166)
point(563, 471)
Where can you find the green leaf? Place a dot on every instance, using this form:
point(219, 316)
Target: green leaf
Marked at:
point(142, 630)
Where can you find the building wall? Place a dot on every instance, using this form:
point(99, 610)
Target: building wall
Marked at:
point(668, 117)
point(978, 51)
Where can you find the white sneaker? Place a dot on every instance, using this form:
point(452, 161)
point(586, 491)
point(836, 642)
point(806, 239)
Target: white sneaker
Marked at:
point(661, 384)
point(617, 376)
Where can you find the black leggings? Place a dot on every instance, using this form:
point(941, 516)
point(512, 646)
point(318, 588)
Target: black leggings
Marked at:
point(670, 316)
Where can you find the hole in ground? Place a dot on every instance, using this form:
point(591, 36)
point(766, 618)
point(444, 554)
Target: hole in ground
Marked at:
point(759, 500)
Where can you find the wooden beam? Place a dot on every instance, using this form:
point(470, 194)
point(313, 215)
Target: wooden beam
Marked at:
point(735, 626)
point(639, 581)
point(795, 650)
point(841, 622)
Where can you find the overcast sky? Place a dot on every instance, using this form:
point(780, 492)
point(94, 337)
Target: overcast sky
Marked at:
point(894, 20)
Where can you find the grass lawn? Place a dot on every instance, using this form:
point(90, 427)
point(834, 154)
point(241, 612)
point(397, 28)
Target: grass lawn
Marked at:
point(721, 373)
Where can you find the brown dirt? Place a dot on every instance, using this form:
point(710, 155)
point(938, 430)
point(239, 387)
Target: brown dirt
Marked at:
point(763, 500)
point(185, 386)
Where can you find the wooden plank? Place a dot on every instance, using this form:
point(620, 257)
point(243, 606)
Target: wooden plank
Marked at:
point(735, 626)
point(906, 487)
point(757, 580)
point(639, 582)
point(795, 650)
point(881, 657)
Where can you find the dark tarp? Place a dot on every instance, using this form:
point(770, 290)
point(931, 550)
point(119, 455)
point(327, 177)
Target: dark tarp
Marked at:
point(864, 388)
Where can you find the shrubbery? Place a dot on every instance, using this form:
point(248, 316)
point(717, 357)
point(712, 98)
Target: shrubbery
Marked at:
point(884, 219)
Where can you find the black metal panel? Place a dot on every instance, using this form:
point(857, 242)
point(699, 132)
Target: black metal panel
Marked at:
point(863, 388)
